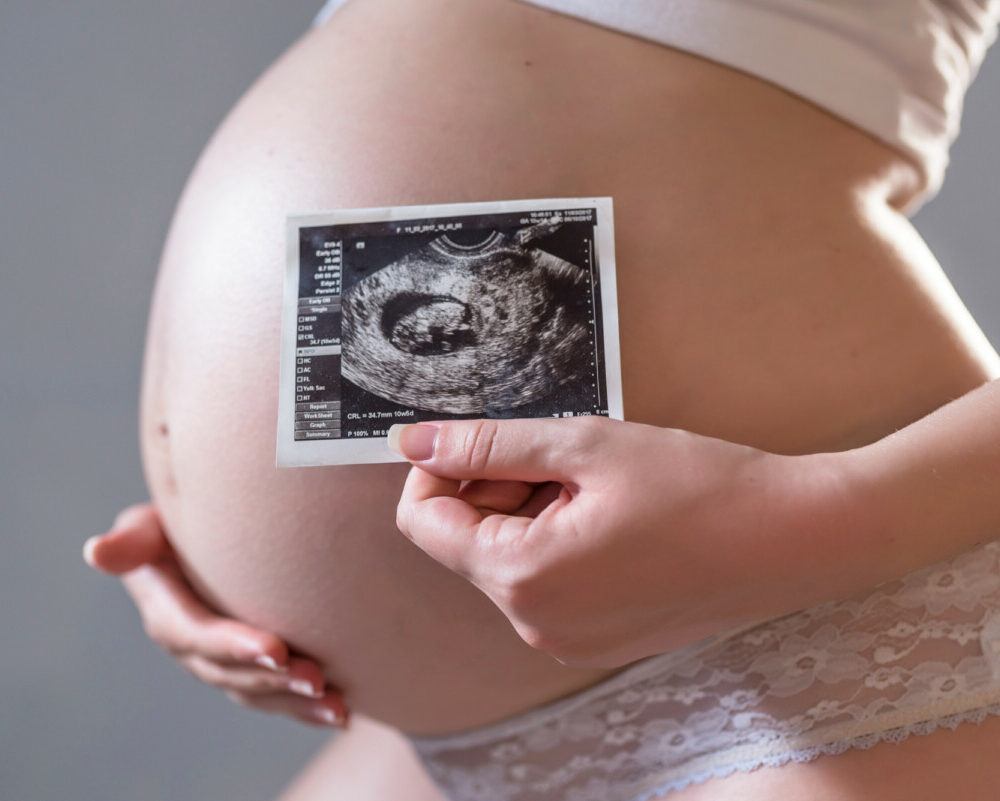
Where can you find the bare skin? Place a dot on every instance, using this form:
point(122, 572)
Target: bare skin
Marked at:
point(770, 294)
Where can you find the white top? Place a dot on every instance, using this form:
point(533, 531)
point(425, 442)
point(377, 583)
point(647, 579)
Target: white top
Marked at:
point(898, 69)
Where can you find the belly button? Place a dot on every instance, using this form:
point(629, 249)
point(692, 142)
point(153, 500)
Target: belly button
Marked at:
point(163, 461)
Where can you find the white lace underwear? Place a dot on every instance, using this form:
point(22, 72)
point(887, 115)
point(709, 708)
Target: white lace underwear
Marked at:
point(910, 656)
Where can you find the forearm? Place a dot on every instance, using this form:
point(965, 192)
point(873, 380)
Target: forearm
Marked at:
point(932, 489)
point(682, 535)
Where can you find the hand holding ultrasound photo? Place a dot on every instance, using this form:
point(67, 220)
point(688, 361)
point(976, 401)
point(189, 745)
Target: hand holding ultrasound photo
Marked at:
point(405, 314)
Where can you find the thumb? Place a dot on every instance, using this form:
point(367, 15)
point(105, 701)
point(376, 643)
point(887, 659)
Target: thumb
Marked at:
point(135, 539)
point(535, 450)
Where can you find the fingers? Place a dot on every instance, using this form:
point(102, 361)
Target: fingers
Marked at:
point(301, 677)
point(515, 450)
point(542, 497)
point(514, 469)
point(171, 612)
point(180, 623)
point(329, 710)
point(136, 538)
point(496, 496)
point(254, 667)
point(451, 530)
point(228, 654)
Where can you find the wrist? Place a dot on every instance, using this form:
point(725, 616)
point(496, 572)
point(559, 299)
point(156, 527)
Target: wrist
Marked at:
point(814, 533)
point(928, 491)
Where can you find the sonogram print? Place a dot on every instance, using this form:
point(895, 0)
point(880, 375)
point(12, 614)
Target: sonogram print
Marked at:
point(470, 327)
point(405, 314)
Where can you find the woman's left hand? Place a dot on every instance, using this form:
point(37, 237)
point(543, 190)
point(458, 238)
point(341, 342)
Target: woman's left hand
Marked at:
point(255, 668)
point(604, 542)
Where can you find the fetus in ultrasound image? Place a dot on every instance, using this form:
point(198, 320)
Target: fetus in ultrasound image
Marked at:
point(474, 322)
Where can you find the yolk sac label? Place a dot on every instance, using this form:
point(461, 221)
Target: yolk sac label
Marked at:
point(412, 313)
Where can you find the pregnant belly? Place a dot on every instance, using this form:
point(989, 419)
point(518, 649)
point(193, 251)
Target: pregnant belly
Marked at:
point(746, 312)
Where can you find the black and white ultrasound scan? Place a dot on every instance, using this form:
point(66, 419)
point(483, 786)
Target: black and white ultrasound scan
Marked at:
point(412, 313)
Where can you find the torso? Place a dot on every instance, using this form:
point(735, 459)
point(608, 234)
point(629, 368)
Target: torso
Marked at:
point(769, 294)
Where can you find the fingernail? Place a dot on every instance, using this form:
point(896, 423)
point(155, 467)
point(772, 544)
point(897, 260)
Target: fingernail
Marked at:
point(414, 442)
point(303, 687)
point(330, 716)
point(88, 550)
point(266, 661)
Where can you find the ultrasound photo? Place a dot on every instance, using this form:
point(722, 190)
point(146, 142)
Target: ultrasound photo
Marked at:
point(405, 314)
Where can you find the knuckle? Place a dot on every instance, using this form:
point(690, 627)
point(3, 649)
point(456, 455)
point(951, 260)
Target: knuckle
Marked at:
point(528, 590)
point(478, 444)
point(589, 431)
point(559, 645)
point(543, 639)
point(523, 601)
point(521, 595)
point(583, 436)
point(530, 600)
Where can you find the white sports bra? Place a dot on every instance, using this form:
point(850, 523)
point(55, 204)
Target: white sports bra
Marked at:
point(898, 69)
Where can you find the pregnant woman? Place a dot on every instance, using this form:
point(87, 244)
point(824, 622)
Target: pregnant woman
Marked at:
point(762, 157)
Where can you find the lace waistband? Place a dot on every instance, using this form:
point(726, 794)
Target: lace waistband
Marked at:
point(532, 718)
point(908, 657)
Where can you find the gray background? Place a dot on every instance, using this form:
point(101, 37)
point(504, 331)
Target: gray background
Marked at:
point(103, 109)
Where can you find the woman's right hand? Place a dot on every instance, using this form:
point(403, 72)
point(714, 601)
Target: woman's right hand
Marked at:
point(253, 667)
